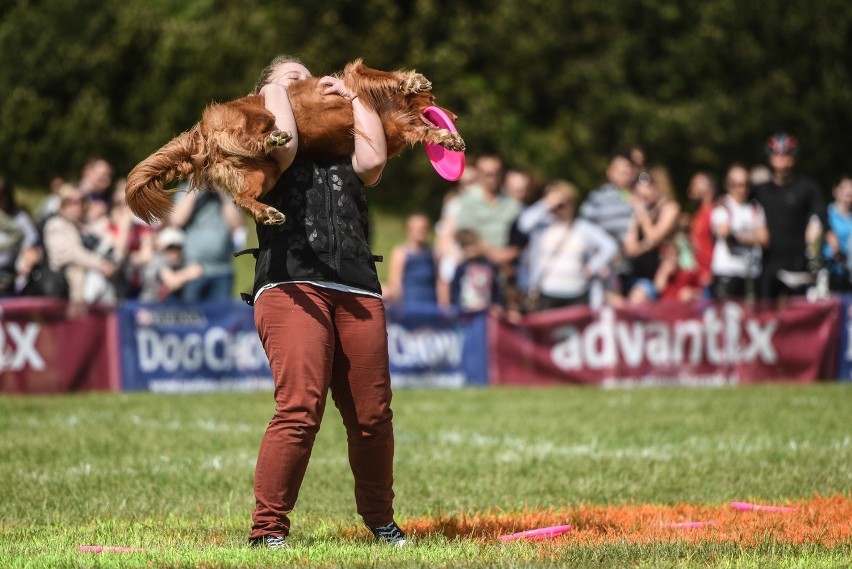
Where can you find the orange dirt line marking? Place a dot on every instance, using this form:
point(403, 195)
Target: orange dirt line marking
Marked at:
point(821, 520)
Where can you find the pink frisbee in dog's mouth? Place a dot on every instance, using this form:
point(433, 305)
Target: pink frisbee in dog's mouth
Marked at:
point(448, 163)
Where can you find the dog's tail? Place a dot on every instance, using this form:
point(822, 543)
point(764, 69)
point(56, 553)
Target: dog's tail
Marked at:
point(181, 158)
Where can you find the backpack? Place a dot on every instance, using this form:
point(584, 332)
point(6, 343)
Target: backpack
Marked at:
point(44, 281)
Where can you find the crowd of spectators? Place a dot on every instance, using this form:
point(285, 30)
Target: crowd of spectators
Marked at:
point(84, 244)
point(504, 240)
point(508, 242)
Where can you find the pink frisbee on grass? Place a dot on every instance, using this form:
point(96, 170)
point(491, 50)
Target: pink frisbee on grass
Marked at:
point(746, 507)
point(107, 549)
point(540, 533)
point(448, 163)
point(690, 525)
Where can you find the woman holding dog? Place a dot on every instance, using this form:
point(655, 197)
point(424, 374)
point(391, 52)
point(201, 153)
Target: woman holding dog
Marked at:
point(320, 317)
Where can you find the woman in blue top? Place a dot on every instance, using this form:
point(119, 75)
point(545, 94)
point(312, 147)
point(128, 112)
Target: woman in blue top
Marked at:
point(836, 247)
point(412, 275)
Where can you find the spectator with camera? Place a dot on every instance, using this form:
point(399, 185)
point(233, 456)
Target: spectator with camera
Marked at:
point(739, 226)
point(565, 253)
point(655, 216)
point(68, 251)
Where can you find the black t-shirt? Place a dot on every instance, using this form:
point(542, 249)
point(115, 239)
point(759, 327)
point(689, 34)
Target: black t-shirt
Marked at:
point(788, 210)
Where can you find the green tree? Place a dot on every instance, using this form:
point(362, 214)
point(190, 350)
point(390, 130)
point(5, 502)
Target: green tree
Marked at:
point(553, 87)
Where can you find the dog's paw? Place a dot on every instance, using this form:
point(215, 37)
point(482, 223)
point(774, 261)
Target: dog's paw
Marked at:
point(272, 217)
point(416, 83)
point(279, 138)
point(451, 141)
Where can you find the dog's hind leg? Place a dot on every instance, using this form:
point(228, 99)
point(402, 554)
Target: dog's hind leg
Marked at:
point(247, 200)
point(245, 187)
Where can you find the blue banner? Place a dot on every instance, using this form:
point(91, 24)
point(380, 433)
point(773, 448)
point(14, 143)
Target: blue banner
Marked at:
point(191, 348)
point(844, 351)
point(431, 346)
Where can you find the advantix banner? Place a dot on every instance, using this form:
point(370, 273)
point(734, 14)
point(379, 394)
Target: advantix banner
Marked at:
point(47, 346)
point(701, 343)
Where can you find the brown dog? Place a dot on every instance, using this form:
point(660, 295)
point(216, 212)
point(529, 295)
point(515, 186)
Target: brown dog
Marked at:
point(230, 145)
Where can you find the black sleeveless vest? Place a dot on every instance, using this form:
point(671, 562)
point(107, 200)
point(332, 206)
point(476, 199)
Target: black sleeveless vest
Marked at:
point(324, 237)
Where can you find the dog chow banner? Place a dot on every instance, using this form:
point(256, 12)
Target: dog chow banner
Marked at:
point(701, 343)
point(844, 351)
point(46, 346)
point(191, 348)
point(431, 346)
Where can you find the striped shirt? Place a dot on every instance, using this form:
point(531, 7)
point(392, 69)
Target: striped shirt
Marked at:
point(609, 207)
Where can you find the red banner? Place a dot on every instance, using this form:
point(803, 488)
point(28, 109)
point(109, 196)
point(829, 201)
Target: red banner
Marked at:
point(701, 343)
point(47, 349)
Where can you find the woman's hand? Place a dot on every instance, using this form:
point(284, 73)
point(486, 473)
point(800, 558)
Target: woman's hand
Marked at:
point(335, 85)
point(371, 150)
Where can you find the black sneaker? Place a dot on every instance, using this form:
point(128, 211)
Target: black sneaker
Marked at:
point(390, 534)
point(269, 542)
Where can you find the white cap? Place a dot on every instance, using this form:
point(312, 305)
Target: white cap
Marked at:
point(170, 237)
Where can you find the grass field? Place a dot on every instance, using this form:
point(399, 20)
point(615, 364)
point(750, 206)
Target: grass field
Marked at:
point(171, 476)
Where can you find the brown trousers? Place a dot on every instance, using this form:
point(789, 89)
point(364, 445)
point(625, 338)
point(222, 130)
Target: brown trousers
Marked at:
point(318, 340)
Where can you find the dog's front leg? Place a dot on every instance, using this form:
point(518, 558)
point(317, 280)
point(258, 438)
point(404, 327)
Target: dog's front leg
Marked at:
point(277, 138)
point(445, 138)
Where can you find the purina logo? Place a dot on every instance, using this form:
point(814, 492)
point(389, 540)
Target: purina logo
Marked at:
point(719, 337)
point(146, 317)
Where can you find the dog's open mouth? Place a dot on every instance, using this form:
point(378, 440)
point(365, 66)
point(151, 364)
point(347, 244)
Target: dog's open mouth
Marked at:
point(428, 121)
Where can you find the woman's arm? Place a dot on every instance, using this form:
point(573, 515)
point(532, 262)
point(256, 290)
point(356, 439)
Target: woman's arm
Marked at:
point(276, 101)
point(232, 215)
point(174, 279)
point(395, 272)
point(371, 147)
point(654, 233)
point(665, 224)
point(182, 212)
point(632, 247)
point(603, 246)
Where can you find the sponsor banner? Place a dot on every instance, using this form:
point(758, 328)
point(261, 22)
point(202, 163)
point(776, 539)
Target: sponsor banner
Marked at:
point(844, 364)
point(46, 346)
point(191, 348)
point(701, 343)
point(432, 346)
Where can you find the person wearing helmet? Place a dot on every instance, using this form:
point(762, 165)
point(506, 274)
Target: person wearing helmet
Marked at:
point(790, 201)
